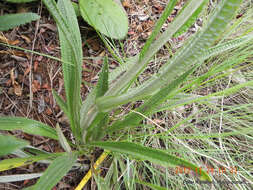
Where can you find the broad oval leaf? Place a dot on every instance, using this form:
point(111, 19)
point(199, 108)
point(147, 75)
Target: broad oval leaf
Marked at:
point(55, 171)
point(28, 126)
point(153, 155)
point(8, 144)
point(12, 20)
point(105, 16)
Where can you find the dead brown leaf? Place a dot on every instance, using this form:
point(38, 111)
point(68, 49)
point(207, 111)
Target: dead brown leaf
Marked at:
point(27, 40)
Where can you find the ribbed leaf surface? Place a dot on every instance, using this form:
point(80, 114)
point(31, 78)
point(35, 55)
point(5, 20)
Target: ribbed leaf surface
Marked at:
point(150, 154)
point(55, 171)
point(28, 126)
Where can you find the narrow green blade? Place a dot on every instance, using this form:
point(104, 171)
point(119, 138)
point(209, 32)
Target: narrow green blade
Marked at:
point(55, 171)
point(73, 54)
point(150, 154)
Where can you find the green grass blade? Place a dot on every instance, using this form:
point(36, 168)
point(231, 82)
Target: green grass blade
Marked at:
point(191, 20)
point(101, 88)
point(150, 154)
point(35, 52)
point(8, 144)
point(152, 186)
point(166, 13)
point(9, 21)
point(28, 126)
point(55, 171)
point(101, 183)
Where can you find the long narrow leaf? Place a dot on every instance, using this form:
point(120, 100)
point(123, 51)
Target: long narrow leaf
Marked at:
point(28, 126)
point(56, 170)
point(153, 155)
point(72, 75)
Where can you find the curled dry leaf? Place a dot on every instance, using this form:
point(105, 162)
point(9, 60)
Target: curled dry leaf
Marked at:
point(27, 40)
point(17, 87)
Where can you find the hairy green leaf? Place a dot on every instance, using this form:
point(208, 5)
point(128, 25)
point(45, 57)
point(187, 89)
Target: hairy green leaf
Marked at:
point(150, 154)
point(9, 21)
point(8, 144)
point(72, 75)
point(28, 126)
point(105, 16)
point(55, 171)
